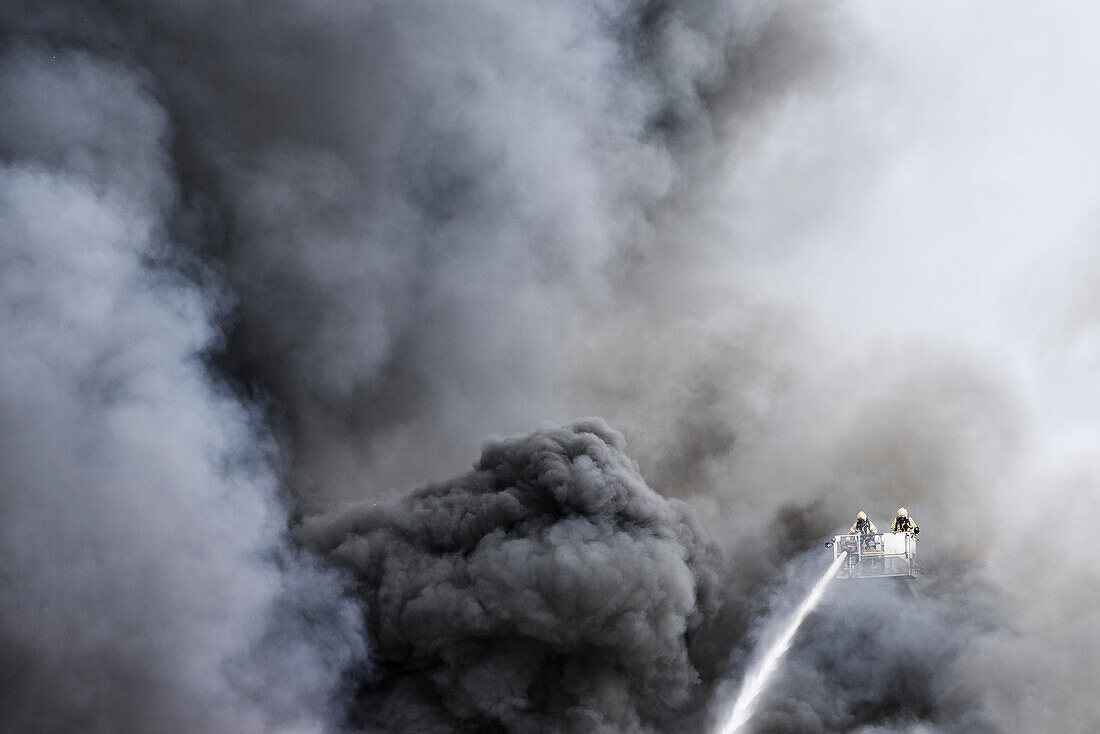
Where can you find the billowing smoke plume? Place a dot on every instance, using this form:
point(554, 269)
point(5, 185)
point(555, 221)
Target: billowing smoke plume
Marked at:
point(257, 260)
point(406, 196)
point(261, 261)
point(146, 582)
point(549, 589)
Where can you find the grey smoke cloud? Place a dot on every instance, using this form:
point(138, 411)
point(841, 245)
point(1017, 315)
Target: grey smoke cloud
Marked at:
point(261, 262)
point(548, 589)
point(146, 582)
point(345, 228)
point(396, 219)
point(871, 658)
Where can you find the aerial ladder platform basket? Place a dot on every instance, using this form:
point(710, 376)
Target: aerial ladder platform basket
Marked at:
point(876, 556)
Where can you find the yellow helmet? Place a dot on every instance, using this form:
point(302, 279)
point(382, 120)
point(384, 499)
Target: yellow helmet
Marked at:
point(862, 515)
point(902, 512)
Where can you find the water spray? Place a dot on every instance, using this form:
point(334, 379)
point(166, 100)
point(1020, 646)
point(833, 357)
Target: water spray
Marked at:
point(745, 704)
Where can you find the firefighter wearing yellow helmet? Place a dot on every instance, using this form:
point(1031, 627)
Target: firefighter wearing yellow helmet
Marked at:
point(903, 523)
point(865, 529)
point(862, 526)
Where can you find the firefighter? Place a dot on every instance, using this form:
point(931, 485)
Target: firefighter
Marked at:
point(862, 526)
point(865, 529)
point(903, 523)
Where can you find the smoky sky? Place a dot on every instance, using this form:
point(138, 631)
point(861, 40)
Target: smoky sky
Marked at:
point(271, 274)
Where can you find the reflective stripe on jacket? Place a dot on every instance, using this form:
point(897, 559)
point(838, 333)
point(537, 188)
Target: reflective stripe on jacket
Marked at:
point(862, 527)
point(903, 525)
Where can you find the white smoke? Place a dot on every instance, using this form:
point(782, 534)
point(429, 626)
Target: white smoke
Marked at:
point(146, 582)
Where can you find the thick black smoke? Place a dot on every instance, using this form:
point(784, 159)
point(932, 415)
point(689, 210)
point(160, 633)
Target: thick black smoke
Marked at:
point(257, 259)
point(260, 260)
point(549, 589)
point(413, 213)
